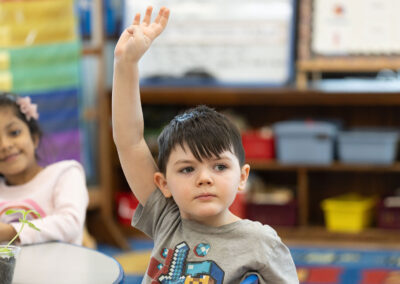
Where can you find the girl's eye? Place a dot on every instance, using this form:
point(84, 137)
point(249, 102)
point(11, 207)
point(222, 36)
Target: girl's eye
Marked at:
point(14, 133)
point(187, 170)
point(220, 167)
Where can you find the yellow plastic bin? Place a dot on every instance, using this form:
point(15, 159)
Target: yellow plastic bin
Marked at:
point(349, 212)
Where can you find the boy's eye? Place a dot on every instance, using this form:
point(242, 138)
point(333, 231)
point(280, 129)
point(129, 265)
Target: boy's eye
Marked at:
point(187, 170)
point(220, 167)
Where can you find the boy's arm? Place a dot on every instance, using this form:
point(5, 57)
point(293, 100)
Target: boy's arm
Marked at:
point(127, 116)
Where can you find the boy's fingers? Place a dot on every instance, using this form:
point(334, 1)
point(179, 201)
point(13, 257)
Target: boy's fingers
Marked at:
point(147, 16)
point(136, 20)
point(162, 17)
point(157, 19)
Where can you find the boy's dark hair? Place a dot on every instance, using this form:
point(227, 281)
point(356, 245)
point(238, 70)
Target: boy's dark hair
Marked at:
point(10, 100)
point(206, 132)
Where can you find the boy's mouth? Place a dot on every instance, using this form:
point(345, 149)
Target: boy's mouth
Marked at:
point(205, 196)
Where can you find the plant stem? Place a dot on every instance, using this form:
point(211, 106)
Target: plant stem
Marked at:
point(16, 236)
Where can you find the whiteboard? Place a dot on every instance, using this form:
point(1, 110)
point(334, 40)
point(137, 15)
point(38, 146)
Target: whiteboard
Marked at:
point(235, 41)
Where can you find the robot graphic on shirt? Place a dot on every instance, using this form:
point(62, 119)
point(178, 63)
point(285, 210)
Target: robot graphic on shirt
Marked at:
point(178, 271)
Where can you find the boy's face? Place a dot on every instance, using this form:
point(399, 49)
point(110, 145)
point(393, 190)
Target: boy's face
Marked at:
point(203, 190)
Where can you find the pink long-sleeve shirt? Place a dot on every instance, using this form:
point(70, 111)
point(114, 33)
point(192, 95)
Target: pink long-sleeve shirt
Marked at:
point(59, 194)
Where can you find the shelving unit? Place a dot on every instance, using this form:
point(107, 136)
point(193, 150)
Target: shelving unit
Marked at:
point(265, 106)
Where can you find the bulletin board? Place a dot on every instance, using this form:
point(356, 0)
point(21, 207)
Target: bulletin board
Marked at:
point(226, 42)
point(347, 36)
point(350, 27)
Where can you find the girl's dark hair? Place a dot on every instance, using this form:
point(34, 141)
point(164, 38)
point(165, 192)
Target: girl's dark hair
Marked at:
point(206, 132)
point(10, 100)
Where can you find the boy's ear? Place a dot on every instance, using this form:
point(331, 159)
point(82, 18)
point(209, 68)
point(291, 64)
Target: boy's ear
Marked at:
point(161, 183)
point(244, 175)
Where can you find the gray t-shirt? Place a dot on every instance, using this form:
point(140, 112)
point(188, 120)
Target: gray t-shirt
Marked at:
point(186, 250)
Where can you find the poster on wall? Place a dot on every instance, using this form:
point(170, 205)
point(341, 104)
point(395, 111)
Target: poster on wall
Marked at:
point(356, 27)
point(231, 42)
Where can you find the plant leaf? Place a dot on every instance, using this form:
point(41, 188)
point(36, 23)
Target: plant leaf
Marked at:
point(33, 226)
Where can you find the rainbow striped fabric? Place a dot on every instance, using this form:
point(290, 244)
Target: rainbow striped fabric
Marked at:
point(40, 56)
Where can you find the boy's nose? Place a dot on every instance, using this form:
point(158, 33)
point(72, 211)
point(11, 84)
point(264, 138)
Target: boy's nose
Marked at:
point(204, 178)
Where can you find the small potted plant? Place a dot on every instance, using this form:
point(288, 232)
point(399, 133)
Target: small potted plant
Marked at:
point(8, 252)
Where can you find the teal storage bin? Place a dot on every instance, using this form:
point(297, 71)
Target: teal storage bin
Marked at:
point(373, 146)
point(305, 142)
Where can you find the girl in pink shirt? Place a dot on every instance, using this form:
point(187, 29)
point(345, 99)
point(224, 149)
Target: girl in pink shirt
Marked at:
point(58, 192)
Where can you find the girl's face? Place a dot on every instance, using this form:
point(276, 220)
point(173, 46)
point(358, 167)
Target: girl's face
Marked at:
point(18, 163)
point(203, 190)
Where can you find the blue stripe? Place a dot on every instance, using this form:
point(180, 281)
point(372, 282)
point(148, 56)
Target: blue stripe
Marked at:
point(59, 120)
point(58, 109)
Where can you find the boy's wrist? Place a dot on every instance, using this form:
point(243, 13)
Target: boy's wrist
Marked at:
point(124, 66)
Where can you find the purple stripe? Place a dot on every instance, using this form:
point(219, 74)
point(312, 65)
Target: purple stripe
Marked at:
point(60, 146)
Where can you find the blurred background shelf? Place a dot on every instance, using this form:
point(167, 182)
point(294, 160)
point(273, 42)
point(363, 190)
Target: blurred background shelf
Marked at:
point(260, 106)
point(319, 236)
point(264, 106)
point(225, 96)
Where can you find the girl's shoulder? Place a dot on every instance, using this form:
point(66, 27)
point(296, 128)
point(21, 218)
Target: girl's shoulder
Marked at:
point(61, 167)
point(65, 164)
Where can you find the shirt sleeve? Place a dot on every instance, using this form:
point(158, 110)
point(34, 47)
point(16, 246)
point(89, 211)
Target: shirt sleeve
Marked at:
point(65, 223)
point(159, 214)
point(277, 262)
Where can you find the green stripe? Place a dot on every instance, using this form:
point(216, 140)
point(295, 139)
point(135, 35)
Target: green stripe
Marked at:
point(45, 77)
point(40, 55)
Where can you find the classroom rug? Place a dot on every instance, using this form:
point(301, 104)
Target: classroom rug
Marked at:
point(322, 265)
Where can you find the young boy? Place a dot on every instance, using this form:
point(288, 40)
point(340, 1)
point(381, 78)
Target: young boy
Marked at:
point(184, 201)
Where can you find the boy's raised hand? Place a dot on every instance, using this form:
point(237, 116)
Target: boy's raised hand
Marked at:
point(137, 38)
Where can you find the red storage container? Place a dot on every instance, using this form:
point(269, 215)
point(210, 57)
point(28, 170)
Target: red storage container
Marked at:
point(273, 214)
point(126, 206)
point(258, 144)
point(388, 217)
point(238, 206)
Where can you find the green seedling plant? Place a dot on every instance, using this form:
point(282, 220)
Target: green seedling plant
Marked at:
point(24, 221)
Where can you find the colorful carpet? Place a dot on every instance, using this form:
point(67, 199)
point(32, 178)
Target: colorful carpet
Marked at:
point(314, 265)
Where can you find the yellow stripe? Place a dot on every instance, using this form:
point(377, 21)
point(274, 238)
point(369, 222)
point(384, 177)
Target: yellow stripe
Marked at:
point(4, 60)
point(39, 34)
point(28, 12)
point(5, 81)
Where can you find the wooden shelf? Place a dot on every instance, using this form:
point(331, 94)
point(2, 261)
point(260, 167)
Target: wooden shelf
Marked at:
point(273, 165)
point(92, 50)
point(319, 235)
point(262, 96)
point(346, 64)
point(94, 197)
